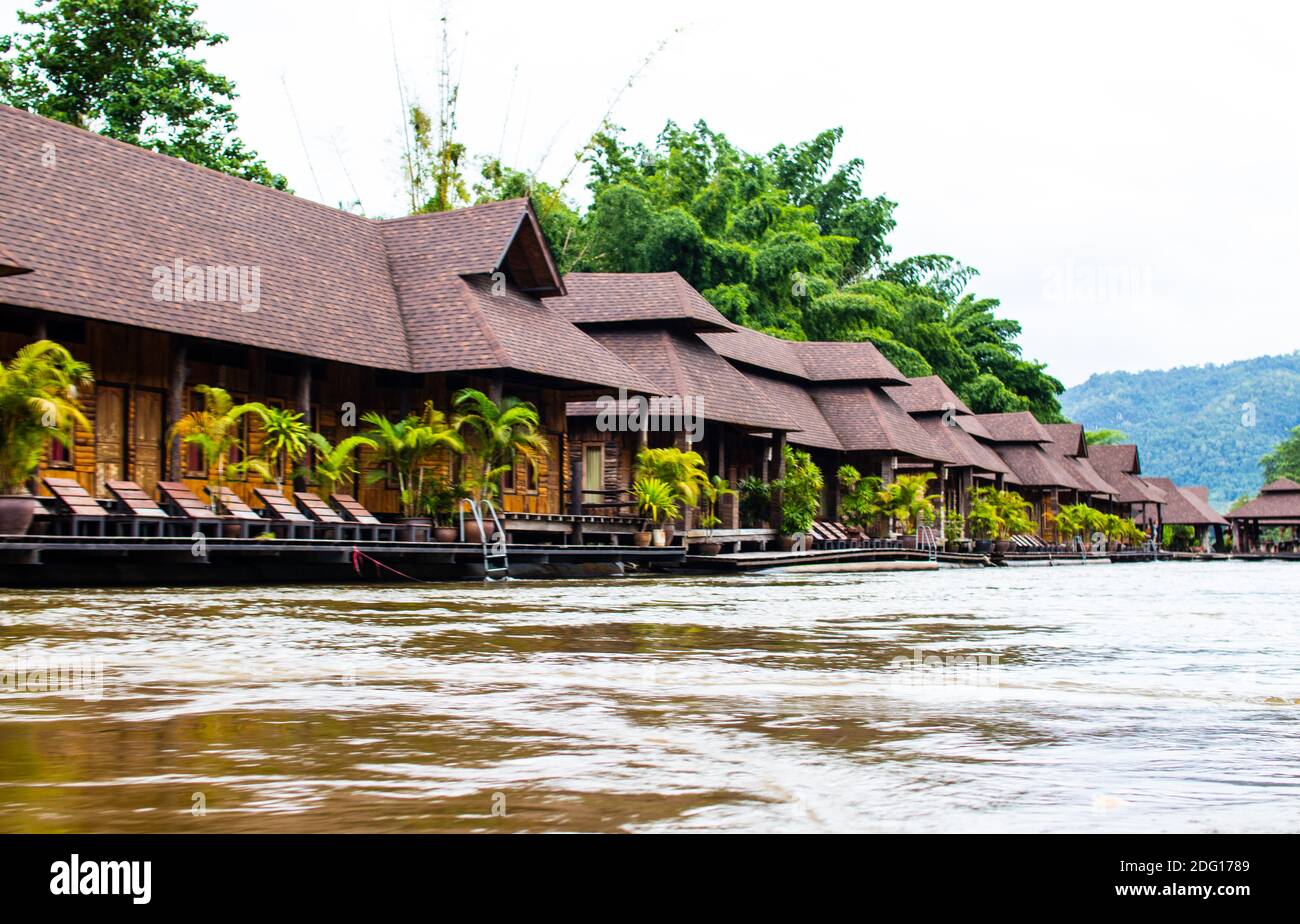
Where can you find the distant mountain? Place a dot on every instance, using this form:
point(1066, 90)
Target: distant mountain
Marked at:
point(1204, 425)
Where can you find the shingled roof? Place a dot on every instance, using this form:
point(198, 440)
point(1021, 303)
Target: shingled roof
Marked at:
point(865, 419)
point(1182, 507)
point(1277, 500)
point(810, 360)
point(623, 298)
point(9, 264)
point(939, 412)
point(1120, 467)
point(103, 218)
point(927, 395)
point(1015, 427)
point(814, 431)
point(1070, 449)
point(678, 364)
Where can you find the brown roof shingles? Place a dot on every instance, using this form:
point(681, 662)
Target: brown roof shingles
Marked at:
point(680, 365)
point(927, 395)
point(865, 419)
point(1119, 466)
point(810, 360)
point(1277, 500)
point(1182, 508)
point(96, 224)
point(620, 298)
point(9, 265)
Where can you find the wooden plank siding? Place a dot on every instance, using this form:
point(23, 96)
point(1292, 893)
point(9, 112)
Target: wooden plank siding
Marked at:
point(139, 363)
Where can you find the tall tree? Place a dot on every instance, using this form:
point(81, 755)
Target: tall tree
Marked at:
point(127, 69)
point(1284, 460)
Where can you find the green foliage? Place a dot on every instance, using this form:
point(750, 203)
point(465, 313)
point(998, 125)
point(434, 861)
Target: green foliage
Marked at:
point(905, 499)
point(788, 243)
point(1284, 460)
point(954, 526)
point(437, 499)
point(1178, 538)
point(128, 69)
point(656, 499)
point(216, 431)
point(712, 492)
point(860, 498)
point(1104, 437)
point(1206, 425)
point(755, 502)
point(38, 402)
point(284, 443)
point(801, 492)
point(498, 435)
point(998, 514)
point(408, 446)
point(681, 469)
point(331, 464)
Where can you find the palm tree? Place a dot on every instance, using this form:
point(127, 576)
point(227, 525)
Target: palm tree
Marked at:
point(499, 433)
point(408, 445)
point(38, 400)
point(215, 430)
point(908, 501)
point(284, 442)
point(333, 464)
point(682, 469)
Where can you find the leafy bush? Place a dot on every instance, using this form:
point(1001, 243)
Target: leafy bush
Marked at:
point(801, 492)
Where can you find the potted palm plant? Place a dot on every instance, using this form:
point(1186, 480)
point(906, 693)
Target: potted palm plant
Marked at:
point(438, 502)
point(984, 521)
point(714, 490)
point(801, 495)
point(657, 502)
point(953, 526)
point(907, 502)
point(331, 464)
point(861, 500)
point(407, 447)
point(39, 401)
point(284, 443)
point(215, 430)
point(497, 434)
point(681, 469)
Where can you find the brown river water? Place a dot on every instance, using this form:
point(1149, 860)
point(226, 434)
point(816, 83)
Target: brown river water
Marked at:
point(1139, 697)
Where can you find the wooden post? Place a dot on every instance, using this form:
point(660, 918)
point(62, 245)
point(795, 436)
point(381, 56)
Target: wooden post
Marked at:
point(577, 463)
point(777, 470)
point(40, 330)
point(176, 404)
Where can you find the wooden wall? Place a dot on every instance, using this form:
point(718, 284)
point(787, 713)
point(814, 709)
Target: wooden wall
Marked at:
point(128, 410)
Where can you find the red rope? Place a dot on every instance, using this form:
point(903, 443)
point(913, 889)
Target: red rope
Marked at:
point(357, 555)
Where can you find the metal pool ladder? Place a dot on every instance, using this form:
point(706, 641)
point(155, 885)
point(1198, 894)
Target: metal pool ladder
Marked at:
point(496, 563)
point(927, 541)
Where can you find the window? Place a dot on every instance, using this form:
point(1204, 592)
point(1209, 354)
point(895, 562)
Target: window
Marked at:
point(593, 474)
point(60, 456)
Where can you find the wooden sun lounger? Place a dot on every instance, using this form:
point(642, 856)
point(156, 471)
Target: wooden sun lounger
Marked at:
point(234, 505)
point(143, 509)
point(284, 514)
point(326, 516)
point(77, 505)
point(825, 536)
point(365, 520)
point(186, 505)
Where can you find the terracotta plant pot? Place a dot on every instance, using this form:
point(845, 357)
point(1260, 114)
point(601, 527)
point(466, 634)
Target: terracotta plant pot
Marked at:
point(446, 534)
point(16, 512)
point(472, 533)
point(1002, 546)
point(231, 530)
point(660, 538)
point(642, 539)
point(708, 548)
point(787, 543)
point(669, 531)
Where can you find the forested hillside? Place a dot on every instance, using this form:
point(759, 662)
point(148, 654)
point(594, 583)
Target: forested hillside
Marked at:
point(1205, 425)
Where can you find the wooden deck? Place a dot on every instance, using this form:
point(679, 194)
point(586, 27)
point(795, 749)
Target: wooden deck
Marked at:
point(92, 561)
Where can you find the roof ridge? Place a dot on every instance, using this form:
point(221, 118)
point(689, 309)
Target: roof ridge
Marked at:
point(476, 310)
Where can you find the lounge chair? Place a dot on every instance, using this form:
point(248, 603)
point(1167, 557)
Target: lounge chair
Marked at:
point(76, 505)
point(326, 516)
point(184, 504)
point(284, 514)
point(365, 520)
point(825, 536)
point(234, 506)
point(142, 509)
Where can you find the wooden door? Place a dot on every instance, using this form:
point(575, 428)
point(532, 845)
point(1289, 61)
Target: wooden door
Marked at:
point(110, 435)
point(147, 438)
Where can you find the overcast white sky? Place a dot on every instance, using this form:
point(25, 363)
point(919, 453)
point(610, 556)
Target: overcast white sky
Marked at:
point(1126, 176)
